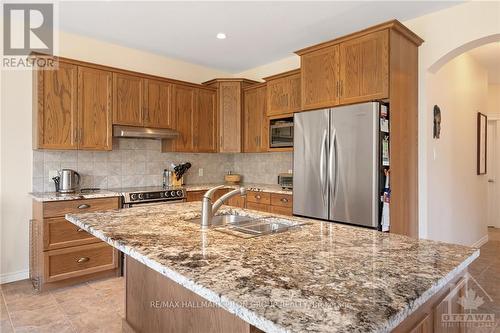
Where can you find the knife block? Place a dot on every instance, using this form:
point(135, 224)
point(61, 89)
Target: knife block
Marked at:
point(176, 182)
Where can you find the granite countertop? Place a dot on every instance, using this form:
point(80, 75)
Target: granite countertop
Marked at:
point(273, 188)
point(322, 277)
point(56, 196)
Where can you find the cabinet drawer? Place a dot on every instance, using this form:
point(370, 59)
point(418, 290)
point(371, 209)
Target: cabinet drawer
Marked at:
point(282, 200)
point(194, 195)
point(281, 210)
point(236, 201)
point(258, 206)
point(79, 260)
point(59, 233)
point(259, 197)
point(61, 208)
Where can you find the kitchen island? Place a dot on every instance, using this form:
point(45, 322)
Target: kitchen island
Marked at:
point(321, 277)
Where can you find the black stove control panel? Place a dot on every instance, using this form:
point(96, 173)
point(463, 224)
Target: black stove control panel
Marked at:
point(165, 195)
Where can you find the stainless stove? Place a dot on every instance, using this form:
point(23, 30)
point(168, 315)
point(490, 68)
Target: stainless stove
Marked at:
point(152, 195)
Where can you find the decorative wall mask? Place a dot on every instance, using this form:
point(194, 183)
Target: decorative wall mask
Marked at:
point(437, 122)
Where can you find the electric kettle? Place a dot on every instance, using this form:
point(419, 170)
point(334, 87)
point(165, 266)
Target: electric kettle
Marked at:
point(69, 180)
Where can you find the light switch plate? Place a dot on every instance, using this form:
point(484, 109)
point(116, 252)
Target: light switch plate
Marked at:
point(200, 172)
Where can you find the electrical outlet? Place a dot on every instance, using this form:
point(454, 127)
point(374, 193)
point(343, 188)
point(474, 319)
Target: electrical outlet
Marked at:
point(53, 173)
point(200, 172)
point(290, 171)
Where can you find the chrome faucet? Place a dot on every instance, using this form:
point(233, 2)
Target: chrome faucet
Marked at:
point(209, 208)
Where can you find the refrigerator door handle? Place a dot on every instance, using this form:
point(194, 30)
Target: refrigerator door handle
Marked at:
point(332, 165)
point(323, 166)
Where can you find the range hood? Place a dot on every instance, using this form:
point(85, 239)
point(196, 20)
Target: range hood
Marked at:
point(121, 131)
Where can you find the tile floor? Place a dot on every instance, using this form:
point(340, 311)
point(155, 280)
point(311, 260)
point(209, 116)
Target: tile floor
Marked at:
point(99, 306)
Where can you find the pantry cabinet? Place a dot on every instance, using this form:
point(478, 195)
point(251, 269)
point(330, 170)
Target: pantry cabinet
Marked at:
point(283, 93)
point(94, 109)
point(255, 123)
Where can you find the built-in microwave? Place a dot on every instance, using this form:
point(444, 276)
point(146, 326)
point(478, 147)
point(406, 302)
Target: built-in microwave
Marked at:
point(281, 132)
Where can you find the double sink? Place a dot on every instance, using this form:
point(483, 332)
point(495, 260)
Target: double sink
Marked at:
point(248, 227)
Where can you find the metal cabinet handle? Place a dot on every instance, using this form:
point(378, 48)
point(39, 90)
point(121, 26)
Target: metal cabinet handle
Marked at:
point(258, 197)
point(83, 206)
point(79, 230)
point(285, 200)
point(82, 260)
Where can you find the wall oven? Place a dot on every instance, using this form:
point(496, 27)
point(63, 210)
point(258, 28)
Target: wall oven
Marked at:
point(281, 132)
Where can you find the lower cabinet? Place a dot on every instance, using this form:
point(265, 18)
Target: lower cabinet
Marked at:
point(62, 253)
point(275, 203)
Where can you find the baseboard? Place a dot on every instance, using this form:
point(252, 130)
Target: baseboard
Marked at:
point(14, 276)
point(480, 242)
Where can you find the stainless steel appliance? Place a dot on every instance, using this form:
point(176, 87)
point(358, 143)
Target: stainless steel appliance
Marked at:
point(285, 180)
point(152, 195)
point(281, 132)
point(336, 164)
point(69, 180)
point(122, 131)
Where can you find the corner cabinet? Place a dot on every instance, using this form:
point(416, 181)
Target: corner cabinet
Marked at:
point(255, 124)
point(73, 108)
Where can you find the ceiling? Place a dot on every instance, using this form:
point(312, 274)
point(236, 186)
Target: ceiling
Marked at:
point(257, 32)
point(488, 56)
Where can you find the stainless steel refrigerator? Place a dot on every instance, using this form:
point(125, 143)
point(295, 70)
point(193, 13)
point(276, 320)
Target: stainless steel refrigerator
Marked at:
point(336, 164)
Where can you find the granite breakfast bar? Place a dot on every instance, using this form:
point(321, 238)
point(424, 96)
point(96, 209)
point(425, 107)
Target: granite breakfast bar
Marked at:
point(320, 277)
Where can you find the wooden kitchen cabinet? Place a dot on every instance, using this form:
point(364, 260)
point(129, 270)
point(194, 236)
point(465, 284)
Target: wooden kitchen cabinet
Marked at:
point(205, 122)
point(255, 123)
point(128, 99)
point(184, 108)
point(229, 108)
point(364, 68)
point(60, 252)
point(320, 78)
point(158, 107)
point(283, 93)
point(55, 115)
point(94, 109)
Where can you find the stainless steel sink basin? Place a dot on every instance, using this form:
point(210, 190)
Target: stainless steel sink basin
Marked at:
point(221, 220)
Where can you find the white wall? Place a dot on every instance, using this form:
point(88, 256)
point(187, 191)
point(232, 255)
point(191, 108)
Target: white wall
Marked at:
point(457, 196)
point(16, 123)
point(494, 99)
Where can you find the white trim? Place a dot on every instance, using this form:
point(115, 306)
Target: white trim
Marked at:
point(480, 242)
point(14, 276)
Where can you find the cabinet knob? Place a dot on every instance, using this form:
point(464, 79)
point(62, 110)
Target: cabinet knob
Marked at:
point(285, 200)
point(82, 260)
point(83, 206)
point(258, 197)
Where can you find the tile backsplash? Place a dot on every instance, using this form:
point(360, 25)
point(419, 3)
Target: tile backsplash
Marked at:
point(139, 162)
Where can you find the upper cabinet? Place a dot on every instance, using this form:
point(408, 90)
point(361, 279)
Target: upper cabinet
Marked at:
point(364, 68)
point(205, 121)
point(184, 108)
point(94, 109)
point(283, 93)
point(255, 124)
point(157, 110)
point(320, 78)
point(55, 108)
point(128, 99)
point(229, 97)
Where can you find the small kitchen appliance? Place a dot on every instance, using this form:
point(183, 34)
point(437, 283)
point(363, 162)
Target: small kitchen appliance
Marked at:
point(69, 180)
point(285, 180)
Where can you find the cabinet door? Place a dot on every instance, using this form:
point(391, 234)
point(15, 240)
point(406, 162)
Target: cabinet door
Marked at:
point(128, 99)
point(294, 84)
point(230, 117)
point(255, 121)
point(278, 94)
point(320, 77)
point(94, 109)
point(184, 107)
point(449, 305)
point(57, 121)
point(364, 68)
point(206, 122)
point(158, 112)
